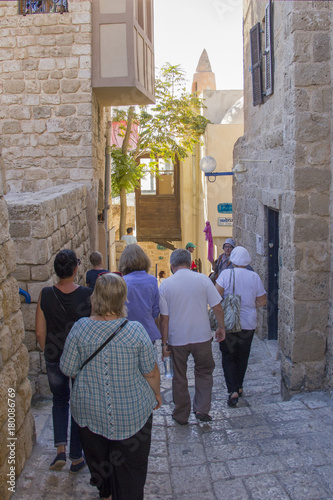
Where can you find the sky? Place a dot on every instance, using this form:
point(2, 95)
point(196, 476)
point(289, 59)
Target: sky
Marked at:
point(183, 28)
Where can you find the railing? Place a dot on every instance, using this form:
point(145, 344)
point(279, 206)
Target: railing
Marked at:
point(42, 6)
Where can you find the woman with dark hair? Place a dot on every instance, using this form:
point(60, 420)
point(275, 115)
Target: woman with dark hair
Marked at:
point(116, 389)
point(142, 289)
point(58, 308)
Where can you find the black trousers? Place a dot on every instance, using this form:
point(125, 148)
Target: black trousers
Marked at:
point(235, 355)
point(118, 468)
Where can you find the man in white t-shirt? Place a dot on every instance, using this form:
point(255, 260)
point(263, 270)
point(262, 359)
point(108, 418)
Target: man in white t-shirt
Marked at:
point(129, 238)
point(186, 330)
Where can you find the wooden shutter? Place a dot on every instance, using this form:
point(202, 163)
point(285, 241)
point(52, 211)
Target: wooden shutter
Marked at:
point(255, 43)
point(269, 76)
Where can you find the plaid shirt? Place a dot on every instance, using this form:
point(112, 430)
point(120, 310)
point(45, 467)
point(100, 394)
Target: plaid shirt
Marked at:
point(110, 396)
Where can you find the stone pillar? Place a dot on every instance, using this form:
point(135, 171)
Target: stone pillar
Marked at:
point(17, 427)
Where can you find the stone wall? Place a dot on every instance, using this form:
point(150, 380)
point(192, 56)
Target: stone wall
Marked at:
point(14, 364)
point(52, 127)
point(41, 224)
point(292, 128)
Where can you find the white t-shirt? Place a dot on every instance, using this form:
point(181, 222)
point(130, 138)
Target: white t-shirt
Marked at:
point(249, 286)
point(184, 298)
point(129, 238)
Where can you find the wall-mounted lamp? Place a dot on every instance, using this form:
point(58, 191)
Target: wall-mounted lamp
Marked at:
point(208, 165)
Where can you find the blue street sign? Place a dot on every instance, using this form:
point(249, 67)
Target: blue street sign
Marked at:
point(224, 208)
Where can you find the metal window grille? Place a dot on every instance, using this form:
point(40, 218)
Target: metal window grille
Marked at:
point(42, 6)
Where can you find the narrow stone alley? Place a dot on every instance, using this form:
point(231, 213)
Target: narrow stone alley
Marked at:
point(266, 449)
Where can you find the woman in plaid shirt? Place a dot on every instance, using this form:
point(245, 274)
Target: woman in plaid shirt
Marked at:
point(115, 393)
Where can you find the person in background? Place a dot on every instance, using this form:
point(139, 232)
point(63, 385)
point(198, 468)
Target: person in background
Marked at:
point(236, 346)
point(223, 260)
point(142, 289)
point(115, 393)
point(190, 247)
point(96, 259)
point(186, 330)
point(58, 308)
point(161, 277)
point(129, 238)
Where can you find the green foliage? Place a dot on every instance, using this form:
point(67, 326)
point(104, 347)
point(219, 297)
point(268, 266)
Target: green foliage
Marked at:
point(167, 129)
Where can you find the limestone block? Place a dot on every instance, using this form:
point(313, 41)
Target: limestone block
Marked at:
point(312, 74)
point(84, 74)
point(314, 285)
point(14, 86)
point(65, 39)
point(67, 110)
point(301, 206)
point(321, 47)
point(57, 74)
point(22, 273)
point(52, 99)
point(315, 20)
point(46, 64)
point(320, 204)
point(315, 375)
point(21, 363)
point(20, 113)
point(30, 341)
point(9, 253)
point(42, 75)
point(11, 300)
point(309, 346)
point(16, 326)
point(70, 86)
point(72, 138)
point(32, 87)
point(51, 86)
point(312, 127)
point(311, 229)
point(310, 316)
point(29, 314)
point(11, 127)
point(318, 153)
point(81, 18)
point(34, 363)
point(34, 251)
point(20, 229)
point(293, 374)
point(85, 62)
point(47, 140)
point(35, 288)
point(75, 98)
point(56, 242)
point(72, 62)
point(84, 110)
point(29, 64)
point(43, 272)
point(55, 125)
point(6, 343)
point(78, 124)
point(311, 178)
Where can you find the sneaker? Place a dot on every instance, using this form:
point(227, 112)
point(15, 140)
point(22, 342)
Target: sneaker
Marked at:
point(58, 462)
point(74, 469)
point(203, 417)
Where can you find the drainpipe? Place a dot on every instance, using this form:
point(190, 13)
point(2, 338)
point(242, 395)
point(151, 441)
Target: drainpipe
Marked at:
point(107, 188)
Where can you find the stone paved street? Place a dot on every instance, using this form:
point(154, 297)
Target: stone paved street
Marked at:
point(265, 449)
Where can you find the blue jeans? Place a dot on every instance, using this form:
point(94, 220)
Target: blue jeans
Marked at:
point(59, 385)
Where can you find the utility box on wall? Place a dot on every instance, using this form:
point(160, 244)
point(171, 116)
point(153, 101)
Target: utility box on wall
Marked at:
point(123, 52)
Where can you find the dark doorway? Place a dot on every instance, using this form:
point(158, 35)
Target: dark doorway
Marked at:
point(273, 273)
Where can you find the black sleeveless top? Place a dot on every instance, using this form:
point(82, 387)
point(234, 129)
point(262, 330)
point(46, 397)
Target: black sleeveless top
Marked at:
point(61, 311)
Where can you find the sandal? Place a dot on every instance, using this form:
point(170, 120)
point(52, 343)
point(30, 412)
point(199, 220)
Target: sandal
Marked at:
point(232, 401)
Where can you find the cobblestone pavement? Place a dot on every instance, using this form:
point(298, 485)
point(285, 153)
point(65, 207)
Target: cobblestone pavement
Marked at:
point(265, 449)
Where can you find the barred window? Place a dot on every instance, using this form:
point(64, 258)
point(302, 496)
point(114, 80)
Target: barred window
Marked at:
point(42, 6)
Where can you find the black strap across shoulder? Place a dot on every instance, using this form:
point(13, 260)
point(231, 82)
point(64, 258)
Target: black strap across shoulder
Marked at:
point(104, 344)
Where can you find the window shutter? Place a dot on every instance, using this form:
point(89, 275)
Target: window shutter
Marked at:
point(255, 43)
point(269, 76)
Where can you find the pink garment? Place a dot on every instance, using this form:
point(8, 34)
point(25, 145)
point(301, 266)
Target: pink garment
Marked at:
point(209, 238)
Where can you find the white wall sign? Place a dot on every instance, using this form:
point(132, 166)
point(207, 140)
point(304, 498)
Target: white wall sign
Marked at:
point(224, 221)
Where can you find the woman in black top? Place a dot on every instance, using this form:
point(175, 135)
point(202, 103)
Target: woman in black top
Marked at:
point(58, 308)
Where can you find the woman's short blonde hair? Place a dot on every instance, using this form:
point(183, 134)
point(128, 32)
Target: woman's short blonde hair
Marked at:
point(109, 295)
point(132, 259)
